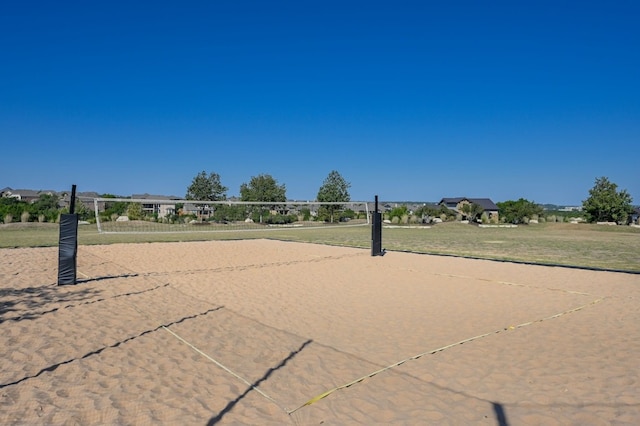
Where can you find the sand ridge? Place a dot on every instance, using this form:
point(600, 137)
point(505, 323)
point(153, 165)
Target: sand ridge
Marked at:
point(249, 332)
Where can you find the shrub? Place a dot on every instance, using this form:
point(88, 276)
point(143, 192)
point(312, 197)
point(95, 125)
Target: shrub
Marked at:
point(134, 211)
point(305, 213)
point(8, 218)
point(279, 219)
point(24, 217)
point(398, 212)
point(347, 214)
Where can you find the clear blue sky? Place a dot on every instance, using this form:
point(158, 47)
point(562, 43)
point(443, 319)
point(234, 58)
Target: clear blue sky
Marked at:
point(410, 100)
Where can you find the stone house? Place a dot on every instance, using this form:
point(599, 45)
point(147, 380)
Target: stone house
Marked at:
point(456, 204)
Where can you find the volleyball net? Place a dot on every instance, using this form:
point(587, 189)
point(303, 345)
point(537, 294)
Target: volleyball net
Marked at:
point(130, 215)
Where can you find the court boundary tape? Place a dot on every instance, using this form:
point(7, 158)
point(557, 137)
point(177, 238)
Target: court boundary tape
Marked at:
point(196, 349)
point(389, 367)
point(468, 277)
point(228, 370)
point(434, 351)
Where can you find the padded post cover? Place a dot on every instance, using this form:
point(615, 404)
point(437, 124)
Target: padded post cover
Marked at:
point(67, 249)
point(376, 235)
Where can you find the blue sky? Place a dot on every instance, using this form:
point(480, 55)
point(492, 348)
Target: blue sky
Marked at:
point(409, 100)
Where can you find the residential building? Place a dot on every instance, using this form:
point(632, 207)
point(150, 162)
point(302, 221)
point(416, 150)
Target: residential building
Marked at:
point(456, 204)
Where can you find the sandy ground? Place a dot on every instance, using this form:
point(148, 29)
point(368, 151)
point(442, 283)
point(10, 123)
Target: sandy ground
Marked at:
point(266, 332)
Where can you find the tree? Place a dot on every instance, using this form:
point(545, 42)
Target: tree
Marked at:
point(206, 188)
point(517, 211)
point(263, 188)
point(472, 211)
point(134, 211)
point(44, 208)
point(606, 204)
point(113, 209)
point(11, 208)
point(428, 212)
point(334, 189)
point(398, 212)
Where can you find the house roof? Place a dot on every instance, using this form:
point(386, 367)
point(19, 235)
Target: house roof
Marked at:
point(146, 196)
point(25, 192)
point(89, 194)
point(485, 203)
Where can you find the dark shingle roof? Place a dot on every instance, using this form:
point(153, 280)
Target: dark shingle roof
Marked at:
point(485, 203)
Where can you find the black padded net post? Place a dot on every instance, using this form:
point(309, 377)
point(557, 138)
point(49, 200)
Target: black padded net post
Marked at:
point(68, 244)
point(376, 232)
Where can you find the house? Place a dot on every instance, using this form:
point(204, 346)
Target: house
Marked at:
point(84, 198)
point(456, 204)
point(202, 211)
point(157, 205)
point(634, 217)
point(27, 195)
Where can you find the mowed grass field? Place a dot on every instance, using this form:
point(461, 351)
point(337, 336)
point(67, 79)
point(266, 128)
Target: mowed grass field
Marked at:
point(577, 245)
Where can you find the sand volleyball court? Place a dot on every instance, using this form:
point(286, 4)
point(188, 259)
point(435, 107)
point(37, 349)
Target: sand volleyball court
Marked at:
point(268, 332)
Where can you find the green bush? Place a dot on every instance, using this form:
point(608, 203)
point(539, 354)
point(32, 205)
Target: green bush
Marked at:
point(305, 213)
point(134, 211)
point(11, 208)
point(279, 219)
point(398, 212)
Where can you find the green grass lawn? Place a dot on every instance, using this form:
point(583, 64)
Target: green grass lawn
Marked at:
point(580, 245)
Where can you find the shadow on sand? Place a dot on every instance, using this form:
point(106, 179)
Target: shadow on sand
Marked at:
point(27, 300)
point(270, 371)
point(53, 367)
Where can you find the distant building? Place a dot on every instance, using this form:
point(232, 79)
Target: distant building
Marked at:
point(570, 209)
point(634, 217)
point(157, 205)
point(456, 204)
point(26, 195)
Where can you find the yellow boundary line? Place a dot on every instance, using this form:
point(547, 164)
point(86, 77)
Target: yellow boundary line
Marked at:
point(434, 351)
point(374, 373)
point(228, 370)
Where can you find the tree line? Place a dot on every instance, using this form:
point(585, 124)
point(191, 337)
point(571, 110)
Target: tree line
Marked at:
point(265, 188)
point(605, 203)
point(45, 209)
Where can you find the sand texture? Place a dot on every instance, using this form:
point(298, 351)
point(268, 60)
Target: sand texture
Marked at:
point(266, 332)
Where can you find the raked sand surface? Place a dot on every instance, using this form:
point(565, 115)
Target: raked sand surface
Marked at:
point(265, 332)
